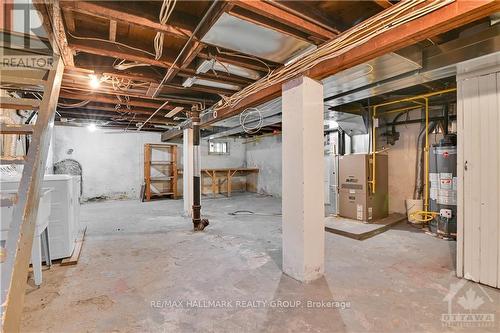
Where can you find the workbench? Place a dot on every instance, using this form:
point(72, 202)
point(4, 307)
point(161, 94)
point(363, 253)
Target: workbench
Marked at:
point(224, 176)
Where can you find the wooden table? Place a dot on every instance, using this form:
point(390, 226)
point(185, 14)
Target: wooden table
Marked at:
point(220, 176)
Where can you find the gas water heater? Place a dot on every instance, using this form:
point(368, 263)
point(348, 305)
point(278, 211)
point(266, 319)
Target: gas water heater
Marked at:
point(443, 186)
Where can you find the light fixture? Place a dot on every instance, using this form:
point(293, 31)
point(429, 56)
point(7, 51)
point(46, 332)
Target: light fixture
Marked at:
point(217, 84)
point(92, 127)
point(188, 82)
point(95, 81)
point(205, 66)
point(224, 67)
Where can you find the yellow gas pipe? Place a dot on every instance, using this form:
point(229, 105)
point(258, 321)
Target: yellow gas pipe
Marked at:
point(423, 215)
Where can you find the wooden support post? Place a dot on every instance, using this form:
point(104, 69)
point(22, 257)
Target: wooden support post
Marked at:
point(173, 166)
point(147, 171)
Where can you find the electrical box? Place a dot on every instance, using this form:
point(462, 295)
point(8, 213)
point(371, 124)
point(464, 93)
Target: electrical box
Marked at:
point(356, 200)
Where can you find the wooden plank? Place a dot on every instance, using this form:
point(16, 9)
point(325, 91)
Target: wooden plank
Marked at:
point(19, 103)
point(111, 100)
point(54, 26)
point(8, 201)
point(19, 242)
point(174, 171)
point(280, 15)
point(21, 81)
point(16, 129)
point(112, 30)
point(383, 3)
point(192, 53)
point(77, 251)
point(107, 12)
point(5, 160)
point(107, 50)
point(147, 170)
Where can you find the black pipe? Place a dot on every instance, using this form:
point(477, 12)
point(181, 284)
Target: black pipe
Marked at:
point(341, 142)
point(198, 223)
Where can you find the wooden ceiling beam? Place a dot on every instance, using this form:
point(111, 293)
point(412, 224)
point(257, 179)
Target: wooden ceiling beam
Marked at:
point(154, 120)
point(287, 18)
point(106, 12)
point(110, 100)
point(383, 3)
point(115, 126)
point(111, 108)
point(112, 30)
point(106, 50)
point(53, 24)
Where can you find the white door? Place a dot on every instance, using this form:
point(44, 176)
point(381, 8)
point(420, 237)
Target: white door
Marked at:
point(478, 238)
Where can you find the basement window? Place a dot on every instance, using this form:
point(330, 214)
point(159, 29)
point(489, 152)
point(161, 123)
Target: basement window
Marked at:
point(218, 148)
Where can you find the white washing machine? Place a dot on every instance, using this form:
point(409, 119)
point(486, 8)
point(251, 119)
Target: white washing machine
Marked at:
point(64, 222)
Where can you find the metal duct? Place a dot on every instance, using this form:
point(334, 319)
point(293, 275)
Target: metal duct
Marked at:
point(381, 68)
point(233, 33)
point(438, 62)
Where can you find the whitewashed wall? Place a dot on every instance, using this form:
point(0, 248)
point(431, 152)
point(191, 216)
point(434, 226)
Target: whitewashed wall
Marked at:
point(112, 161)
point(265, 154)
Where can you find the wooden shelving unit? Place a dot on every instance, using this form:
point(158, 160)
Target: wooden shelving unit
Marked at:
point(164, 183)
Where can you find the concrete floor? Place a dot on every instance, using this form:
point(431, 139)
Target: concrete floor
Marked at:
point(136, 254)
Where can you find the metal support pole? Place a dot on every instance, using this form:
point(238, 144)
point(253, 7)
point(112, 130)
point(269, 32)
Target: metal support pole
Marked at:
point(198, 223)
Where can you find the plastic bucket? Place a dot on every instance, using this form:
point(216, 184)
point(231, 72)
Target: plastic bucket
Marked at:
point(413, 206)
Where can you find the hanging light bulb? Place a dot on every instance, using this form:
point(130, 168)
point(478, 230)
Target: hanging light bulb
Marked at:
point(92, 127)
point(95, 81)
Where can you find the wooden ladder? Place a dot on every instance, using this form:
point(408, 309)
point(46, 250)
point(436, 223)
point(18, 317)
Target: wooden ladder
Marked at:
point(17, 251)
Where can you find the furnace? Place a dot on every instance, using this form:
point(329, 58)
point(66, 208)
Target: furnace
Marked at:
point(357, 200)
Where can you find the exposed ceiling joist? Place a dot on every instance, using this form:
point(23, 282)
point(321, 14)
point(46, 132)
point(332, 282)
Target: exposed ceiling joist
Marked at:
point(97, 115)
point(54, 26)
point(287, 18)
point(110, 108)
point(107, 12)
point(106, 50)
point(383, 3)
point(110, 100)
point(112, 30)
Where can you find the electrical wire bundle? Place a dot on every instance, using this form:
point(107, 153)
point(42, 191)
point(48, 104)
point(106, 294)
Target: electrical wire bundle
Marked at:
point(395, 16)
point(251, 120)
point(166, 10)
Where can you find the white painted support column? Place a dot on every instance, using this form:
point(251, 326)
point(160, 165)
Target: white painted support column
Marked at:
point(303, 172)
point(187, 173)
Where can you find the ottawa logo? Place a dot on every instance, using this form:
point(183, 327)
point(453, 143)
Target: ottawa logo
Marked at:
point(467, 312)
